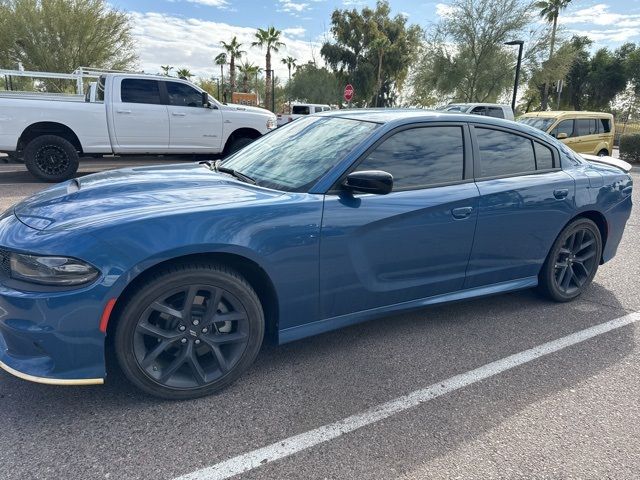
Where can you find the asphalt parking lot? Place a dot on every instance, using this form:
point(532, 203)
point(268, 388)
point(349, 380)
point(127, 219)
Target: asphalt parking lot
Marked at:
point(570, 413)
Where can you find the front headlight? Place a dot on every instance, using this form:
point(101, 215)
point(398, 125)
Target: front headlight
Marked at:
point(61, 271)
point(272, 123)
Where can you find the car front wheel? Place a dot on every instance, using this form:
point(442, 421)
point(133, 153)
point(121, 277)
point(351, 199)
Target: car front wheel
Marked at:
point(572, 262)
point(189, 331)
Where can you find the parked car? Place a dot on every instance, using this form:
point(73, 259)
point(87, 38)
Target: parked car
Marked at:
point(331, 220)
point(583, 132)
point(495, 110)
point(300, 109)
point(124, 114)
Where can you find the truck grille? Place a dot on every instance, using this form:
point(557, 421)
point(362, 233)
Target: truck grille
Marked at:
point(5, 269)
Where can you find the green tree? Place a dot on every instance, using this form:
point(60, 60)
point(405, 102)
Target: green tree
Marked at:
point(463, 57)
point(550, 11)
point(221, 60)
point(234, 51)
point(372, 51)
point(62, 35)
point(315, 85)
point(270, 40)
point(184, 73)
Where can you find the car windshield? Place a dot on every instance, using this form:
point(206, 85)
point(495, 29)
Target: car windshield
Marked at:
point(541, 123)
point(294, 157)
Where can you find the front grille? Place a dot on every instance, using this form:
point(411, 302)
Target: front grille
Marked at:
point(5, 268)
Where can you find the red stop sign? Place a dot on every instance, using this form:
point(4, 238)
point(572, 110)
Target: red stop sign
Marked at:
point(348, 92)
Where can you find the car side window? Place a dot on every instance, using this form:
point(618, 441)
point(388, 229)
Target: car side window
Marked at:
point(137, 90)
point(544, 156)
point(593, 126)
point(479, 111)
point(420, 157)
point(606, 125)
point(182, 95)
point(503, 153)
point(300, 110)
point(495, 112)
point(565, 126)
point(581, 127)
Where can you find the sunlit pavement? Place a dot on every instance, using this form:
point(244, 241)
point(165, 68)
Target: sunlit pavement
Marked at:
point(571, 414)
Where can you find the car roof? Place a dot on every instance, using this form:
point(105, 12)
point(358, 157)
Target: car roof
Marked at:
point(566, 113)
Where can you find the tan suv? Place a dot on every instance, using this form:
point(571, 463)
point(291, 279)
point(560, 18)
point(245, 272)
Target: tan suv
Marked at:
point(584, 132)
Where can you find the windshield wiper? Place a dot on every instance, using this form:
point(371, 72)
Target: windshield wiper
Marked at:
point(218, 167)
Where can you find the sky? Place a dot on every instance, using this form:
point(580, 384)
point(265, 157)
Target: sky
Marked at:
point(187, 33)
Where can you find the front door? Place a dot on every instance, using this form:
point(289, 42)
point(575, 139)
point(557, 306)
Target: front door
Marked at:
point(413, 243)
point(194, 127)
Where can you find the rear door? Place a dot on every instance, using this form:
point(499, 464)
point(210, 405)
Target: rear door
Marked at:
point(377, 250)
point(525, 200)
point(194, 127)
point(140, 119)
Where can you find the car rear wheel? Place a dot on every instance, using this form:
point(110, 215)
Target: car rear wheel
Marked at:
point(51, 158)
point(603, 153)
point(572, 262)
point(189, 331)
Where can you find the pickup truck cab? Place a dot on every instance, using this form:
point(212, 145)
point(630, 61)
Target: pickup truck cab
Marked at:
point(300, 109)
point(126, 114)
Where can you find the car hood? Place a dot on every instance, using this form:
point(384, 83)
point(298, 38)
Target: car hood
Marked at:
point(247, 108)
point(134, 193)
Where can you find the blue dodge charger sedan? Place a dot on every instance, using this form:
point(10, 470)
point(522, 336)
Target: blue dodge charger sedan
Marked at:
point(182, 270)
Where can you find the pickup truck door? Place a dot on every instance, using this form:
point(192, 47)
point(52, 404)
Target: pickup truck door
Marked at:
point(194, 127)
point(140, 120)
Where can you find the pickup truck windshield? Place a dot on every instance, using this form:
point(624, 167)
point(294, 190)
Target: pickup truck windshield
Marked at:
point(294, 157)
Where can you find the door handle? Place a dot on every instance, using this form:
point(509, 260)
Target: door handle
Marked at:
point(461, 212)
point(178, 114)
point(123, 111)
point(561, 194)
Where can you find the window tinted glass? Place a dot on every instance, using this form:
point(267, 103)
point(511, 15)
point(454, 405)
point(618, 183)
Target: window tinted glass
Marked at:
point(503, 153)
point(495, 112)
point(544, 157)
point(606, 125)
point(479, 111)
point(593, 126)
point(565, 126)
point(300, 110)
point(100, 89)
point(135, 90)
point(183, 95)
point(420, 157)
point(581, 127)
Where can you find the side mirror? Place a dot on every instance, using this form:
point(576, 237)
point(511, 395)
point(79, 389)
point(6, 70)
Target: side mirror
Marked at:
point(370, 181)
point(205, 100)
point(562, 135)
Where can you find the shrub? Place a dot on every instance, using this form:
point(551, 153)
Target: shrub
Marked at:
point(630, 147)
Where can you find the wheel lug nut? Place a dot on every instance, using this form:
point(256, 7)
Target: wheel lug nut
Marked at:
point(182, 328)
point(184, 340)
point(196, 322)
point(197, 342)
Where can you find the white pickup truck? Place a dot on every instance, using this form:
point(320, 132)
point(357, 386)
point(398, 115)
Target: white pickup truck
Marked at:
point(126, 114)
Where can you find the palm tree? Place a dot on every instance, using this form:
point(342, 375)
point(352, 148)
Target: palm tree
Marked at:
point(221, 59)
point(269, 39)
point(233, 51)
point(550, 10)
point(290, 62)
point(248, 70)
point(166, 69)
point(184, 73)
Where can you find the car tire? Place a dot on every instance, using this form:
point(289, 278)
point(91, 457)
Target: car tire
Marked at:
point(603, 153)
point(572, 261)
point(189, 331)
point(51, 158)
point(237, 144)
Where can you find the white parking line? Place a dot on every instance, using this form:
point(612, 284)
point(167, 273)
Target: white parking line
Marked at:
point(289, 446)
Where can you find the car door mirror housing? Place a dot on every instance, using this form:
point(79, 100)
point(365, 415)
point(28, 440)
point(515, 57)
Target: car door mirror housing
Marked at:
point(562, 135)
point(370, 181)
point(205, 100)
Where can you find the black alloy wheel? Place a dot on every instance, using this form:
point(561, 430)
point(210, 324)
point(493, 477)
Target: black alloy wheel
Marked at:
point(51, 158)
point(190, 332)
point(573, 261)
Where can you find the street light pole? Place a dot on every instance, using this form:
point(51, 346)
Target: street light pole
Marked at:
point(520, 44)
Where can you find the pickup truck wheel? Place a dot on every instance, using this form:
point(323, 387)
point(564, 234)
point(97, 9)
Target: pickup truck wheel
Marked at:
point(51, 158)
point(237, 144)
